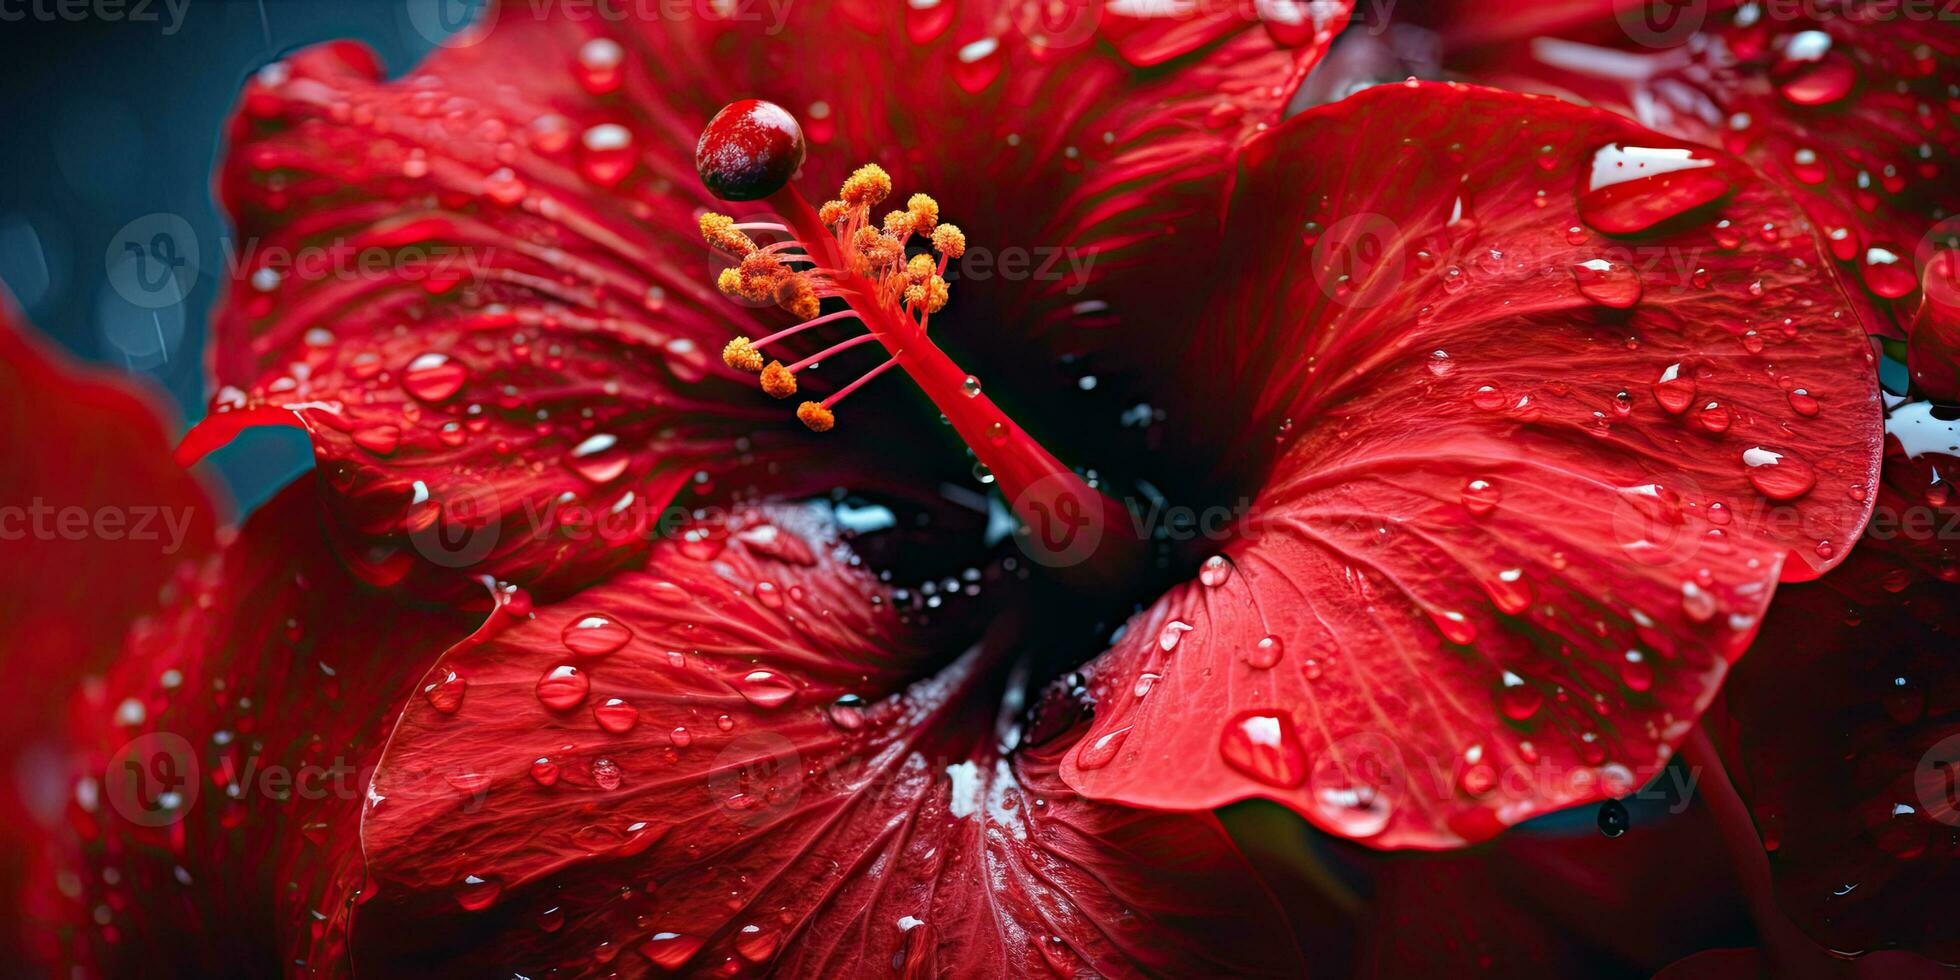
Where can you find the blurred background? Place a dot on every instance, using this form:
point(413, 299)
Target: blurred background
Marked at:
point(111, 240)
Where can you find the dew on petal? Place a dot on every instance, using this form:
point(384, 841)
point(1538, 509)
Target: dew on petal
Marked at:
point(1261, 744)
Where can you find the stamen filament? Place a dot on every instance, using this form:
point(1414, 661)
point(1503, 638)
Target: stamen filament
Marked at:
point(805, 325)
point(761, 226)
point(863, 338)
point(839, 394)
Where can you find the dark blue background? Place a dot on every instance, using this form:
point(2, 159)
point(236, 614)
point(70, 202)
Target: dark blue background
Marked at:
point(109, 119)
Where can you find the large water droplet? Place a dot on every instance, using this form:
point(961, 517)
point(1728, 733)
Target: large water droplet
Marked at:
point(1266, 653)
point(1517, 699)
point(595, 635)
point(562, 687)
point(1215, 571)
point(1778, 474)
point(445, 694)
point(434, 377)
point(606, 774)
point(1101, 750)
point(616, 716)
point(475, 892)
point(1262, 745)
point(765, 689)
point(1632, 188)
point(1607, 282)
point(1674, 389)
point(670, 950)
point(1480, 496)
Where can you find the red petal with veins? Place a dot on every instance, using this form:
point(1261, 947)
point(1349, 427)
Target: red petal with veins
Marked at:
point(482, 288)
point(1848, 105)
point(1534, 484)
point(1856, 803)
point(259, 695)
point(779, 799)
point(93, 517)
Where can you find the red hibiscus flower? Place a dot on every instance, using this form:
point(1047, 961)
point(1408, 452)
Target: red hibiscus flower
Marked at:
point(1443, 446)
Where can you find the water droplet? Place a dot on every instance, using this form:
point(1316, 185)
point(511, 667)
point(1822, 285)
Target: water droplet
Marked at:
point(1674, 389)
point(381, 440)
point(1215, 571)
point(970, 386)
point(1173, 631)
point(445, 694)
point(754, 943)
point(434, 377)
point(1440, 364)
point(475, 892)
point(725, 723)
point(1607, 282)
point(1697, 603)
point(1480, 496)
point(1517, 699)
point(595, 635)
point(1887, 270)
point(847, 712)
point(1613, 818)
point(616, 716)
point(606, 774)
point(670, 950)
point(597, 459)
point(1778, 474)
point(976, 64)
point(680, 737)
point(1266, 653)
point(606, 153)
point(1803, 403)
point(1635, 672)
point(562, 687)
point(544, 771)
point(765, 689)
point(1455, 627)
point(1262, 745)
point(1714, 417)
point(1510, 591)
point(1100, 751)
point(1632, 188)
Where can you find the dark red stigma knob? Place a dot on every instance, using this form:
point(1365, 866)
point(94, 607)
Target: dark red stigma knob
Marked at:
point(749, 150)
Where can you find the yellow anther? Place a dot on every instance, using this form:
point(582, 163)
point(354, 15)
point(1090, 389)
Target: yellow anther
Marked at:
point(878, 249)
point(930, 295)
point(729, 282)
point(833, 211)
point(920, 267)
point(742, 357)
point(720, 231)
point(898, 224)
point(925, 212)
point(866, 186)
point(793, 293)
point(816, 417)
point(949, 240)
point(778, 381)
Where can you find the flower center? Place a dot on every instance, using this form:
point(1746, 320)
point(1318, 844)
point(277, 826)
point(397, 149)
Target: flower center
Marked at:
point(890, 276)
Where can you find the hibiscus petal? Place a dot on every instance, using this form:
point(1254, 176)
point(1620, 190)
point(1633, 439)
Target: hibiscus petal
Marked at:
point(482, 290)
point(93, 517)
point(1848, 106)
point(738, 780)
point(221, 761)
point(1854, 804)
point(1531, 492)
